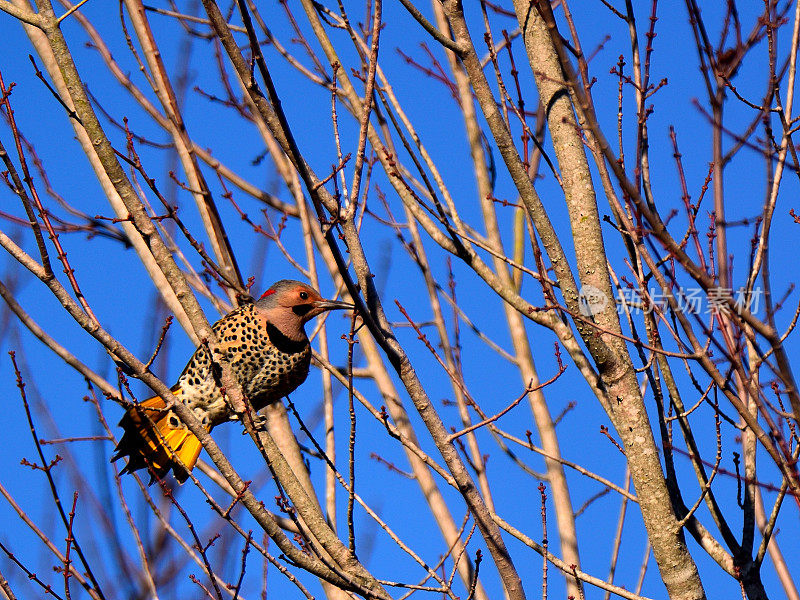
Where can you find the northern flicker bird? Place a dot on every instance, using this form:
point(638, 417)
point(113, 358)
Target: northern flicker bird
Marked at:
point(266, 346)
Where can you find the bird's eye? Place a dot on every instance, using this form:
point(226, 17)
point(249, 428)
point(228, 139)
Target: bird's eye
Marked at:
point(304, 295)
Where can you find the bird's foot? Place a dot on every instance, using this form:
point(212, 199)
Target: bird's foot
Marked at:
point(259, 423)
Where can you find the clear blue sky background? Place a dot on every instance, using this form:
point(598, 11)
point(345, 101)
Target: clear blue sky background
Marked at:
point(123, 298)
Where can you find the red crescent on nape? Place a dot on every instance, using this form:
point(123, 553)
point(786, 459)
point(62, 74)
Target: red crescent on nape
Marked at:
point(267, 293)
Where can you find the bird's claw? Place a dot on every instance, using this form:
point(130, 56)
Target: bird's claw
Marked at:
point(259, 423)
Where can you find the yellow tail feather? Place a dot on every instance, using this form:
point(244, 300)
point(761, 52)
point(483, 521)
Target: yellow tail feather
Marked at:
point(157, 439)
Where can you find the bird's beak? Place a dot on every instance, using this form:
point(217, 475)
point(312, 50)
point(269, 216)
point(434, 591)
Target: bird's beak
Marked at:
point(323, 305)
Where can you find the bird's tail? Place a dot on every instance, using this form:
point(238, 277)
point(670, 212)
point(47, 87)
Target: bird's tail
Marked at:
point(157, 439)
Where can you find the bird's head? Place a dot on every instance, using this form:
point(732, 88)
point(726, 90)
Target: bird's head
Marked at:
point(290, 304)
